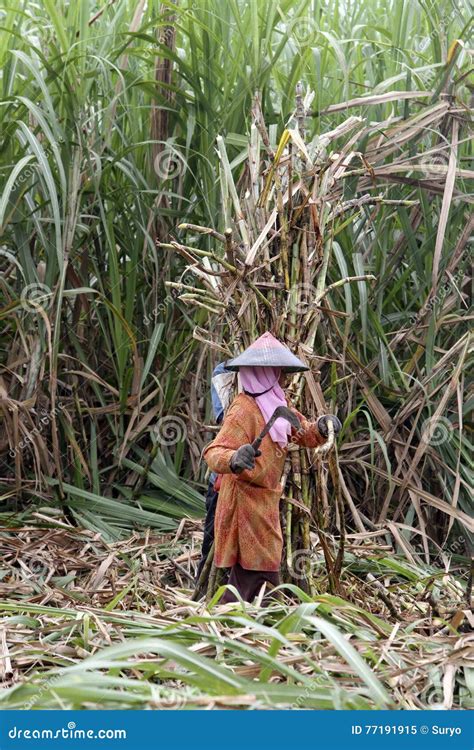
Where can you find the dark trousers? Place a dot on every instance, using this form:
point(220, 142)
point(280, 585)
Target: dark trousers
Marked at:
point(211, 503)
point(249, 582)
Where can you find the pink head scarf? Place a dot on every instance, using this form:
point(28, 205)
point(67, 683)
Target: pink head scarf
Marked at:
point(264, 381)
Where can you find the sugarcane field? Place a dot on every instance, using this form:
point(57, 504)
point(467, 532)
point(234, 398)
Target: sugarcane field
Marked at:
point(236, 358)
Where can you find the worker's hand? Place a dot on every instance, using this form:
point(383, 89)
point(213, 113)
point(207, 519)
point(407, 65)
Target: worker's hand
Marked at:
point(323, 424)
point(244, 458)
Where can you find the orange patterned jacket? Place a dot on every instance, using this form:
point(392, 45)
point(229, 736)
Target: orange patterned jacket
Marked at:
point(247, 525)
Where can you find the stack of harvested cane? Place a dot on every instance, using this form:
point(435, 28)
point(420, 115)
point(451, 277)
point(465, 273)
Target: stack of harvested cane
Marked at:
point(268, 271)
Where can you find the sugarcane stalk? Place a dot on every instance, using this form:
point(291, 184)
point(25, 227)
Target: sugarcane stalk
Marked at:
point(298, 523)
point(200, 253)
point(368, 200)
point(300, 110)
point(229, 247)
point(346, 280)
point(283, 227)
point(289, 517)
point(197, 303)
point(260, 296)
point(244, 233)
point(203, 230)
point(328, 445)
point(142, 477)
point(281, 147)
point(320, 452)
point(305, 520)
point(204, 574)
point(260, 124)
point(334, 470)
point(187, 287)
point(189, 297)
point(211, 586)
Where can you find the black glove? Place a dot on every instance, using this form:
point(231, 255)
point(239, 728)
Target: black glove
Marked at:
point(323, 424)
point(243, 458)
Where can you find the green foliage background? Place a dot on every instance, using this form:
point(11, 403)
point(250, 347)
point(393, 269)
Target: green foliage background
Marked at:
point(98, 161)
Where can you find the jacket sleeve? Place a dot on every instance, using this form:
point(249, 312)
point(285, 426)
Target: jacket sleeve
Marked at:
point(231, 436)
point(308, 436)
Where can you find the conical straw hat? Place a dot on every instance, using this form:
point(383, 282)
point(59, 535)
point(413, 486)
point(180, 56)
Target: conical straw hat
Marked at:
point(267, 351)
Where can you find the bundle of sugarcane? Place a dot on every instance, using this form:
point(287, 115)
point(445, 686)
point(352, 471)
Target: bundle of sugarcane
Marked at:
point(268, 270)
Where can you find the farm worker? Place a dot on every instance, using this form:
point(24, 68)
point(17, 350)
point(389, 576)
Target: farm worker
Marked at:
point(248, 536)
point(221, 389)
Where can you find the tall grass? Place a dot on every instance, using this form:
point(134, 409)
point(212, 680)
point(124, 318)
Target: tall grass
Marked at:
point(110, 117)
